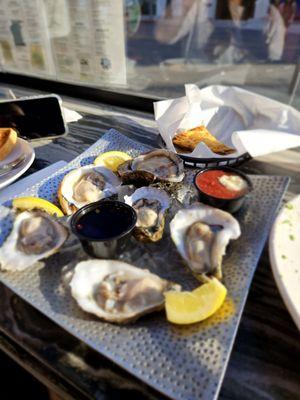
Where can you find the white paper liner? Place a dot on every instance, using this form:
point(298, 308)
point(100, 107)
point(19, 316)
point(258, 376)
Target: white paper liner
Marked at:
point(238, 118)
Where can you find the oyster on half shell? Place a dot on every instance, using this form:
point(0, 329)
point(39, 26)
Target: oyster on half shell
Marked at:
point(116, 291)
point(201, 234)
point(151, 205)
point(34, 236)
point(86, 185)
point(157, 165)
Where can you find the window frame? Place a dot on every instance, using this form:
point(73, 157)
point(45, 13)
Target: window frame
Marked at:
point(118, 98)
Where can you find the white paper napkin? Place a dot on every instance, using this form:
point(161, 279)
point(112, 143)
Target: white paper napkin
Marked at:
point(23, 184)
point(71, 115)
point(240, 119)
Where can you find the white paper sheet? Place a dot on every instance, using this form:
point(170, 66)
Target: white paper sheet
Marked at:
point(71, 115)
point(241, 119)
point(93, 47)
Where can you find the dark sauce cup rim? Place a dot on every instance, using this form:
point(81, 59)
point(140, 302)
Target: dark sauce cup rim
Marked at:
point(92, 206)
point(229, 169)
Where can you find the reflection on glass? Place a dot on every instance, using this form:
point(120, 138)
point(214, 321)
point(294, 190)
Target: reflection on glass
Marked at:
point(224, 31)
point(242, 42)
point(155, 46)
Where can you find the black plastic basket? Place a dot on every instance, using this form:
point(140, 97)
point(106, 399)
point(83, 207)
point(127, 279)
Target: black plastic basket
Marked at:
point(195, 162)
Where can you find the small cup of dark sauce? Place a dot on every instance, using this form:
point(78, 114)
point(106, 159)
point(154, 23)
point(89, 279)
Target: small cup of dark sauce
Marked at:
point(104, 227)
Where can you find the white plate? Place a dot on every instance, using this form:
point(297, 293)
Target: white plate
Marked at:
point(284, 250)
point(22, 147)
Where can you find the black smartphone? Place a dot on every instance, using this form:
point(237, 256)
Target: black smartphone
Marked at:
point(35, 117)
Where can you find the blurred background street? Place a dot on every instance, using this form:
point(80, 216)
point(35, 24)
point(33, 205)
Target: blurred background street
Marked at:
point(160, 66)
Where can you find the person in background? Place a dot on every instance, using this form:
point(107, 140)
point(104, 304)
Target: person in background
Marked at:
point(198, 21)
point(288, 11)
point(234, 44)
point(236, 10)
point(237, 39)
point(275, 34)
point(185, 18)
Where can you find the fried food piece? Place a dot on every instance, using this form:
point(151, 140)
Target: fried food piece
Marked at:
point(8, 140)
point(188, 140)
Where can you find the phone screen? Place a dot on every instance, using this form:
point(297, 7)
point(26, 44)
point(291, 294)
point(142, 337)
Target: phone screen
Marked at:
point(33, 118)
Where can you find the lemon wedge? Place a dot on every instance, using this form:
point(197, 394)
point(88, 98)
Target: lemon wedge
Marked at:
point(31, 203)
point(190, 307)
point(112, 159)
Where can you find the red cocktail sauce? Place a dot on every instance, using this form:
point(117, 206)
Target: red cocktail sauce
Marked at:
point(209, 183)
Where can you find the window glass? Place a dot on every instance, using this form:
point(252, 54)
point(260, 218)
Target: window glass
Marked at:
point(154, 47)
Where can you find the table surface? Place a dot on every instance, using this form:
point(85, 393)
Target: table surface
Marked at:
point(264, 363)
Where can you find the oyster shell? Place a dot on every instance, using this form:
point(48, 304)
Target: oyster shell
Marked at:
point(34, 236)
point(157, 165)
point(150, 205)
point(86, 185)
point(201, 234)
point(116, 291)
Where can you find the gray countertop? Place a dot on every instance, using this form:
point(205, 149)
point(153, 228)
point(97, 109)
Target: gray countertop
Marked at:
point(265, 359)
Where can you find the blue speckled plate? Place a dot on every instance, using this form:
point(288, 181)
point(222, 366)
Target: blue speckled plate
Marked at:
point(183, 363)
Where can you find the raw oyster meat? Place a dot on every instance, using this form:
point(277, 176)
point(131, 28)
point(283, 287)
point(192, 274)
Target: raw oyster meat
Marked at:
point(34, 236)
point(150, 205)
point(157, 165)
point(116, 291)
point(201, 234)
point(86, 185)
